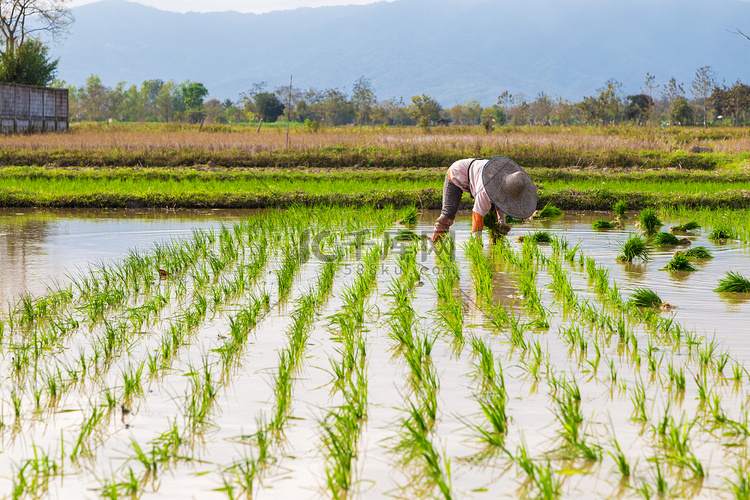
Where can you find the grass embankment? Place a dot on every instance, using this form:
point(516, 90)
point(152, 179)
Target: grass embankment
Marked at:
point(227, 166)
point(256, 188)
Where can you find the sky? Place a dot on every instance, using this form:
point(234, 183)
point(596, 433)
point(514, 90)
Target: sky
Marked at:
point(256, 6)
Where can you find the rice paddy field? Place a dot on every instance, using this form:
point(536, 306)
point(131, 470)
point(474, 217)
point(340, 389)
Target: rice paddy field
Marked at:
point(332, 352)
point(311, 342)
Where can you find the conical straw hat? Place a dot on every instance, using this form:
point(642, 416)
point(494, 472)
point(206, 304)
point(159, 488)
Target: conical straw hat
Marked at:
point(509, 187)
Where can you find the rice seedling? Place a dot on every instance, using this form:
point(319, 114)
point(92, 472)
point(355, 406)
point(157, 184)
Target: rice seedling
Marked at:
point(620, 207)
point(686, 227)
point(603, 224)
point(633, 249)
point(33, 477)
point(699, 252)
point(733, 282)
point(662, 238)
point(722, 234)
point(679, 262)
point(639, 403)
point(649, 221)
point(645, 297)
point(620, 459)
point(740, 487)
point(676, 377)
point(548, 211)
point(536, 237)
point(416, 439)
point(410, 216)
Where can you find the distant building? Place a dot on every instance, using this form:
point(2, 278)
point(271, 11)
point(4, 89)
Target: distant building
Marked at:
point(28, 108)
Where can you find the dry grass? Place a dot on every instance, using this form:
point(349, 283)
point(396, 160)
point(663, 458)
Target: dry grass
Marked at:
point(134, 137)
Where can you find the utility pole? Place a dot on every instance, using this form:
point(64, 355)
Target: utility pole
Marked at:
point(288, 106)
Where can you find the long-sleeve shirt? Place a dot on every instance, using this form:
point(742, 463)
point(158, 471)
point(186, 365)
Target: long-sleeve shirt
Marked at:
point(467, 175)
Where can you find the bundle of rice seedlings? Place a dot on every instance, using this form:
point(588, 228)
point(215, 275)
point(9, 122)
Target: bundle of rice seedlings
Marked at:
point(699, 252)
point(634, 248)
point(722, 233)
point(645, 297)
point(733, 282)
point(411, 216)
point(679, 262)
point(603, 224)
point(407, 235)
point(512, 220)
point(495, 228)
point(684, 228)
point(548, 211)
point(663, 238)
point(536, 237)
point(620, 208)
point(649, 221)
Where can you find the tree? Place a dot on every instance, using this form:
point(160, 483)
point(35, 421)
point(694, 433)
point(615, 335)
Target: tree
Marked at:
point(672, 92)
point(94, 100)
point(638, 108)
point(542, 109)
point(268, 106)
point(426, 109)
point(28, 64)
point(592, 110)
point(458, 114)
point(505, 100)
point(649, 87)
point(473, 111)
point(168, 100)
point(363, 98)
point(610, 99)
point(681, 112)
point(21, 20)
point(703, 84)
point(564, 111)
point(193, 94)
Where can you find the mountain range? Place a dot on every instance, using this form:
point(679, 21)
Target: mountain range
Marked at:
point(452, 50)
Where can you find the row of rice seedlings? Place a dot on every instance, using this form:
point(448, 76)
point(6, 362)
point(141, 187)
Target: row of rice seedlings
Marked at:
point(568, 413)
point(131, 378)
point(418, 454)
point(99, 298)
point(492, 397)
point(246, 472)
point(449, 308)
point(204, 386)
point(706, 355)
point(342, 426)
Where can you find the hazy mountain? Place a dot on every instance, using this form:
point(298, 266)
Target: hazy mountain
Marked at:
point(453, 50)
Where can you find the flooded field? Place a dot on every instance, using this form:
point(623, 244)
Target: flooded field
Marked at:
point(331, 353)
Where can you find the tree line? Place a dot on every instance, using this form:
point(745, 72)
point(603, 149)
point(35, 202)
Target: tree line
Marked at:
point(704, 102)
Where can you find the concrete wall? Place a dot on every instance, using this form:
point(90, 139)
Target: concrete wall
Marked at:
point(27, 108)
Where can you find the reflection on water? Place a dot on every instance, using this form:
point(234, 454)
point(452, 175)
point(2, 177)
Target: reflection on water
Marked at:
point(39, 248)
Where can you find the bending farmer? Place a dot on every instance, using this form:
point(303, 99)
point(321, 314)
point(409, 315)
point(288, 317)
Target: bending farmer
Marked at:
point(498, 182)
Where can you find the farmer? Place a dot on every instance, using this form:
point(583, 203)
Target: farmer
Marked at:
point(498, 183)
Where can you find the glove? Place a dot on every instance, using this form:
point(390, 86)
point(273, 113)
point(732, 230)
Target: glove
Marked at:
point(441, 227)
